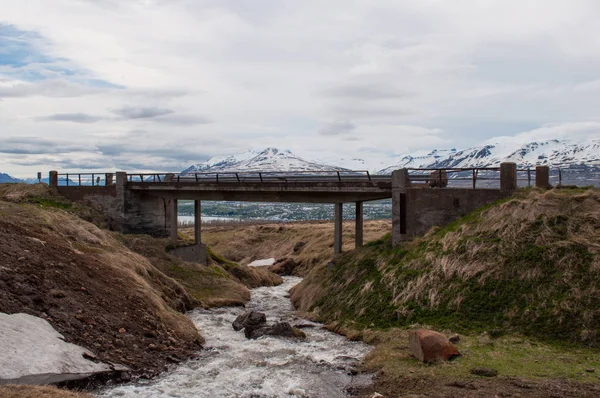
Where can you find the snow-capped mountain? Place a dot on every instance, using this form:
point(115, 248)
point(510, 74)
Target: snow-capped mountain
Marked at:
point(553, 153)
point(270, 159)
point(5, 178)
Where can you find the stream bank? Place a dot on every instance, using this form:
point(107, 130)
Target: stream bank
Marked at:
point(232, 366)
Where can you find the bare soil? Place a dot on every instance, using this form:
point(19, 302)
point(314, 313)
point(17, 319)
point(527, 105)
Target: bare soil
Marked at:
point(12, 391)
point(92, 289)
point(443, 387)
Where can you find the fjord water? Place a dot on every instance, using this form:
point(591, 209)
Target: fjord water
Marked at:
point(232, 366)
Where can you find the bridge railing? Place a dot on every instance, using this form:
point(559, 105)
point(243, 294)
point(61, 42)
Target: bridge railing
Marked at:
point(85, 179)
point(259, 177)
point(474, 177)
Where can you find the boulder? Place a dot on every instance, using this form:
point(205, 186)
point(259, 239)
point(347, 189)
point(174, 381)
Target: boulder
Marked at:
point(455, 338)
point(32, 352)
point(284, 268)
point(298, 246)
point(427, 346)
point(283, 329)
point(251, 319)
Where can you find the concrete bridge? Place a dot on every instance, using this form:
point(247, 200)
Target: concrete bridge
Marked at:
point(147, 203)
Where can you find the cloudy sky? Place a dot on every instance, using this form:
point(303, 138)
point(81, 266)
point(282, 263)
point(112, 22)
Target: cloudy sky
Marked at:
point(161, 84)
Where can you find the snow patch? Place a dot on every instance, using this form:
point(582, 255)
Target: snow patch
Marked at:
point(261, 263)
point(32, 352)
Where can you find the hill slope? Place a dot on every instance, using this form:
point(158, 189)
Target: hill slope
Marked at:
point(530, 264)
point(120, 296)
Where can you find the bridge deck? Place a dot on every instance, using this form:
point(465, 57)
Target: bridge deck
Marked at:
point(265, 187)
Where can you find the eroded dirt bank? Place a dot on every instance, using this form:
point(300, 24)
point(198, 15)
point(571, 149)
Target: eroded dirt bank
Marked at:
point(126, 307)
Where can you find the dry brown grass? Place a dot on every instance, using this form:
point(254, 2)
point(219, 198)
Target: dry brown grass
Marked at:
point(12, 391)
point(218, 284)
point(244, 244)
point(21, 192)
point(529, 264)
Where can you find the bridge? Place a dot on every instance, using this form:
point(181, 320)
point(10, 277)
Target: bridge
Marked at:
point(146, 203)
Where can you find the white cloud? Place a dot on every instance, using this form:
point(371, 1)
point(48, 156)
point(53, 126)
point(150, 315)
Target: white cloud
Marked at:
point(388, 76)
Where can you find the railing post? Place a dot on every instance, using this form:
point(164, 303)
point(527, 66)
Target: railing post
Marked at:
point(542, 177)
point(53, 179)
point(508, 177)
point(173, 220)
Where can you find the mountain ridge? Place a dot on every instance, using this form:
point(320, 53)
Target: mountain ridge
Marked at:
point(554, 153)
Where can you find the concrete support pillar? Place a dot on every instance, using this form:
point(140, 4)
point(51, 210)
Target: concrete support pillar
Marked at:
point(53, 179)
point(400, 179)
point(337, 232)
point(542, 177)
point(197, 222)
point(400, 183)
point(173, 219)
point(358, 241)
point(508, 177)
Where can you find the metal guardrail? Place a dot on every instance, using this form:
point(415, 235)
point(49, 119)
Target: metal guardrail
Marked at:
point(472, 174)
point(85, 179)
point(341, 176)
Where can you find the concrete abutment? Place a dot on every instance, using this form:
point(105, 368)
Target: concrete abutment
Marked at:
point(416, 208)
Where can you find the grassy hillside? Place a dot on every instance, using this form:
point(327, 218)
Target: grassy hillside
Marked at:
point(529, 264)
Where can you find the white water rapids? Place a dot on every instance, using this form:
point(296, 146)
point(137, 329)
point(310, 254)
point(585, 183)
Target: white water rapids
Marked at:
point(269, 367)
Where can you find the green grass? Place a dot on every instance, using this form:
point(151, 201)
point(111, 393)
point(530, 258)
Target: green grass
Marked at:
point(47, 202)
point(512, 356)
point(542, 285)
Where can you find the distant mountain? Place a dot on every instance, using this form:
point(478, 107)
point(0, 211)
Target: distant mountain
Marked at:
point(7, 179)
point(270, 159)
point(553, 153)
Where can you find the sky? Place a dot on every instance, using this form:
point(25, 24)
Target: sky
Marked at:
point(150, 85)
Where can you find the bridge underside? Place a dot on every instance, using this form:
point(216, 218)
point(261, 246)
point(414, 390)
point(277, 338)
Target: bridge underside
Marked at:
point(331, 193)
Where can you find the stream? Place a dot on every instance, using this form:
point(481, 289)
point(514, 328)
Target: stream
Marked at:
point(232, 366)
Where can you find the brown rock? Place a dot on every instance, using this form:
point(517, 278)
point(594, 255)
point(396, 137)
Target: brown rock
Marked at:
point(283, 329)
point(284, 268)
point(250, 319)
point(427, 346)
point(455, 338)
point(298, 246)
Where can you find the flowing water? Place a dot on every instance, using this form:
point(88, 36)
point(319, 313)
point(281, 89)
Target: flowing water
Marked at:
point(232, 366)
